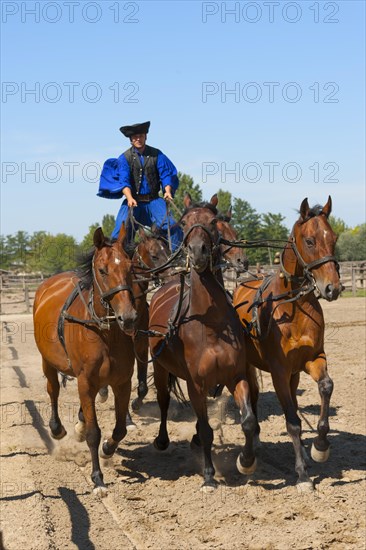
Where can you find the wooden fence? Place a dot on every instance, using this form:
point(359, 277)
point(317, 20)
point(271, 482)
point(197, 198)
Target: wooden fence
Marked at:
point(19, 290)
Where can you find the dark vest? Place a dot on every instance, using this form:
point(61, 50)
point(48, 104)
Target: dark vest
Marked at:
point(149, 170)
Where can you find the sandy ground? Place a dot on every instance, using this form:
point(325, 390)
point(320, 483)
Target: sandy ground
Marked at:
point(154, 499)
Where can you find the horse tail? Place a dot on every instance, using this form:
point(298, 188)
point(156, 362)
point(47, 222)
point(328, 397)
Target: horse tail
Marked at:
point(175, 387)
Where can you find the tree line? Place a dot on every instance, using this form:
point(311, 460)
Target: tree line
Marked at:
point(47, 253)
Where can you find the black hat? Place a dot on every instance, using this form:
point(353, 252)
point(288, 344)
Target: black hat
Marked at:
point(141, 128)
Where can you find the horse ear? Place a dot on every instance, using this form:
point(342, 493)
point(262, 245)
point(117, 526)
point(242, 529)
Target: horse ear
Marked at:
point(328, 207)
point(229, 213)
point(214, 200)
point(122, 233)
point(304, 209)
point(98, 238)
point(187, 200)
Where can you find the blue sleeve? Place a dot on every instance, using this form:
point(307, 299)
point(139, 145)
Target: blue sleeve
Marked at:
point(114, 177)
point(167, 172)
point(124, 172)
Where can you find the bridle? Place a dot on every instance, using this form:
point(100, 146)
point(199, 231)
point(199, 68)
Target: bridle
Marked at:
point(307, 267)
point(106, 296)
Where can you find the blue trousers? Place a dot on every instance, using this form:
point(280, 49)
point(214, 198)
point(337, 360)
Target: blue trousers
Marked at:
point(148, 213)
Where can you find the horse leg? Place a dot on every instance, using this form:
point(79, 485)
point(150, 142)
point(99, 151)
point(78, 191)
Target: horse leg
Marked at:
point(294, 384)
point(318, 371)
point(142, 388)
point(196, 441)
point(246, 462)
point(80, 427)
point(53, 388)
point(87, 396)
point(254, 395)
point(142, 354)
point(293, 425)
point(161, 376)
point(205, 432)
point(122, 394)
point(103, 394)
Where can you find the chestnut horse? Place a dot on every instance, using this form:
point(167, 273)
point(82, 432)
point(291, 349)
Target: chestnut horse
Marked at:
point(284, 320)
point(84, 323)
point(198, 337)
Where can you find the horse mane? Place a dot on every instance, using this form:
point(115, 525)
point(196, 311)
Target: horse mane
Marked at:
point(223, 218)
point(313, 212)
point(84, 268)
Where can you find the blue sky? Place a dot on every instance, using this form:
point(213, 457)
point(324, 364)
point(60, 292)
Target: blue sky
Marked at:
point(293, 125)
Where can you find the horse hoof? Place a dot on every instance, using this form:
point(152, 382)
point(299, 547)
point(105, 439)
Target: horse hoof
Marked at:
point(136, 404)
point(246, 470)
point(208, 488)
point(102, 395)
point(79, 431)
point(100, 491)
point(304, 487)
point(319, 456)
point(160, 446)
point(60, 435)
point(102, 454)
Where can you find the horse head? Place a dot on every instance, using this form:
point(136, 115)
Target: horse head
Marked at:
point(313, 242)
point(201, 236)
point(152, 250)
point(112, 277)
point(233, 255)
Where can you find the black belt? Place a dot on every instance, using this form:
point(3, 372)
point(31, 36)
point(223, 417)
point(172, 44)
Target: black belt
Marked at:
point(146, 198)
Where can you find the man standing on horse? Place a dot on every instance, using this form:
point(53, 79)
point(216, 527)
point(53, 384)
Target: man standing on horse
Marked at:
point(138, 174)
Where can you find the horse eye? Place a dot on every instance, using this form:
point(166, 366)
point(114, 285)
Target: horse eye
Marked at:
point(310, 242)
point(103, 271)
point(154, 258)
point(182, 223)
point(214, 222)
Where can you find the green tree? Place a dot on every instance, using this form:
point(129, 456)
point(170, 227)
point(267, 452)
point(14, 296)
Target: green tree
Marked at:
point(247, 223)
point(338, 225)
point(35, 245)
point(58, 253)
point(351, 245)
point(15, 251)
point(271, 228)
point(186, 185)
point(108, 223)
point(224, 200)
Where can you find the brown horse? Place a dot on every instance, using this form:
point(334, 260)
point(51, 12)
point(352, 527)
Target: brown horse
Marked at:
point(151, 252)
point(84, 323)
point(198, 338)
point(284, 319)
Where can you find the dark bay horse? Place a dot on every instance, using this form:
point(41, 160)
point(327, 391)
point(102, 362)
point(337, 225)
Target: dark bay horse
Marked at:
point(284, 320)
point(198, 337)
point(89, 335)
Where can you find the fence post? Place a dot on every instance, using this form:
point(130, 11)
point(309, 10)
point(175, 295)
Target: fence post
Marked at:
point(354, 283)
point(26, 298)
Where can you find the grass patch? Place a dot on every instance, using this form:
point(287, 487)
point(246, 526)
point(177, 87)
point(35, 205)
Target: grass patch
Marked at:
point(360, 293)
